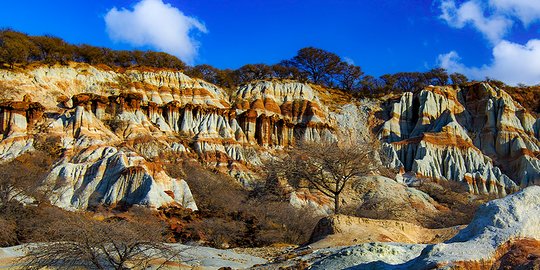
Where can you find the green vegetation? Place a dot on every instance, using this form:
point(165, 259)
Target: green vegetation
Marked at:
point(19, 48)
point(309, 65)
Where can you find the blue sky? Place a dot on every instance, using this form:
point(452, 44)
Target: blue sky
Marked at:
point(477, 37)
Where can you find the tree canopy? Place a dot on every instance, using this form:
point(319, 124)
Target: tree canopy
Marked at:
point(19, 48)
point(310, 64)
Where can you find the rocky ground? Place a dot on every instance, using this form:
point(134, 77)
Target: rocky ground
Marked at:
point(503, 233)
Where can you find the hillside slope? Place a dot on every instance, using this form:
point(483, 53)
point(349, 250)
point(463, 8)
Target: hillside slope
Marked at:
point(112, 128)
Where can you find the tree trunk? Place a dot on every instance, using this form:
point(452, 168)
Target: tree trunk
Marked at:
point(336, 203)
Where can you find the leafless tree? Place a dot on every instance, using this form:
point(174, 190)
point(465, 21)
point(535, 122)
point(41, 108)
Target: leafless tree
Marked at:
point(112, 244)
point(327, 167)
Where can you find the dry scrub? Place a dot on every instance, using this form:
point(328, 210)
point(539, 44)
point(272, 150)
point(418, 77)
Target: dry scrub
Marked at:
point(230, 216)
point(459, 205)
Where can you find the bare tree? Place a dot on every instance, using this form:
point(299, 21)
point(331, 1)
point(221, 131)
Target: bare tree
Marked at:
point(112, 244)
point(327, 167)
point(8, 233)
point(350, 77)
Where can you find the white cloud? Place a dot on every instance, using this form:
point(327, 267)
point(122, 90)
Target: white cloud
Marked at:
point(527, 11)
point(493, 18)
point(493, 27)
point(512, 63)
point(156, 24)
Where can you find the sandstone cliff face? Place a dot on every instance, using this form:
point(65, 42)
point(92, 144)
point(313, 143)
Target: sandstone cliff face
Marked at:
point(104, 120)
point(109, 176)
point(15, 119)
point(477, 134)
point(278, 114)
point(108, 128)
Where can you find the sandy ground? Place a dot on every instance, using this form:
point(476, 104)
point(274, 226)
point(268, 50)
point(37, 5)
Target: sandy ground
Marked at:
point(349, 231)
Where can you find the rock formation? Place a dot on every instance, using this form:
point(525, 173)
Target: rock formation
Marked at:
point(495, 224)
point(109, 125)
point(498, 229)
point(341, 230)
point(278, 114)
point(477, 134)
point(108, 176)
point(16, 117)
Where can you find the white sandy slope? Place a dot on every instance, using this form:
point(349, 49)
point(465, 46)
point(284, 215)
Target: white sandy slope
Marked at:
point(513, 217)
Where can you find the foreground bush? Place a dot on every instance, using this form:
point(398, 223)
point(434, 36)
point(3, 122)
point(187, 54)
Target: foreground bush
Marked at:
point(229, 216)
point(110, 244)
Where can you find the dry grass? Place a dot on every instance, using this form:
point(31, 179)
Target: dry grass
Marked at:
point(334, 99)
point(459, 205)
point(527, 96)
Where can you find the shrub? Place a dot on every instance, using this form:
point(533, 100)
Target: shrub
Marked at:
point(461, 205)
point(8, 233)
point(110, 244)
point(229, 216)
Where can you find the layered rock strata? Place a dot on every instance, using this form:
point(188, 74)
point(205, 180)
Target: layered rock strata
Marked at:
point(477, 134)
point(103, 120)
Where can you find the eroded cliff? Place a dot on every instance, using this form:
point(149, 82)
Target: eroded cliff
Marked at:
point(112, 127)
point(477, 134)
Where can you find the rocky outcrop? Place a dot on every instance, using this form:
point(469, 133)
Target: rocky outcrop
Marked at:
point(109, 176)
point(16, 118)
point(477, 135)
point(498, 230)
point(495, 224)
point(340, 230)
point(273, 113)
point(149, 114)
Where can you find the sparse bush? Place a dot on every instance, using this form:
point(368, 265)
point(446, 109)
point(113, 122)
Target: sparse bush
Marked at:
point(231, 216)
point(8, 233)
point(461, 205)
point(19, 48)
point(280, 222)
point(75, 241)
point(21, 178)
point(213, 191)
point(49, 144)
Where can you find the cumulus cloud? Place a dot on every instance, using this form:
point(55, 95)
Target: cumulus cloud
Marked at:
point(527, 11)
point(156, 24)
point(493, 18)
point(512, 63)
point(493, 27)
